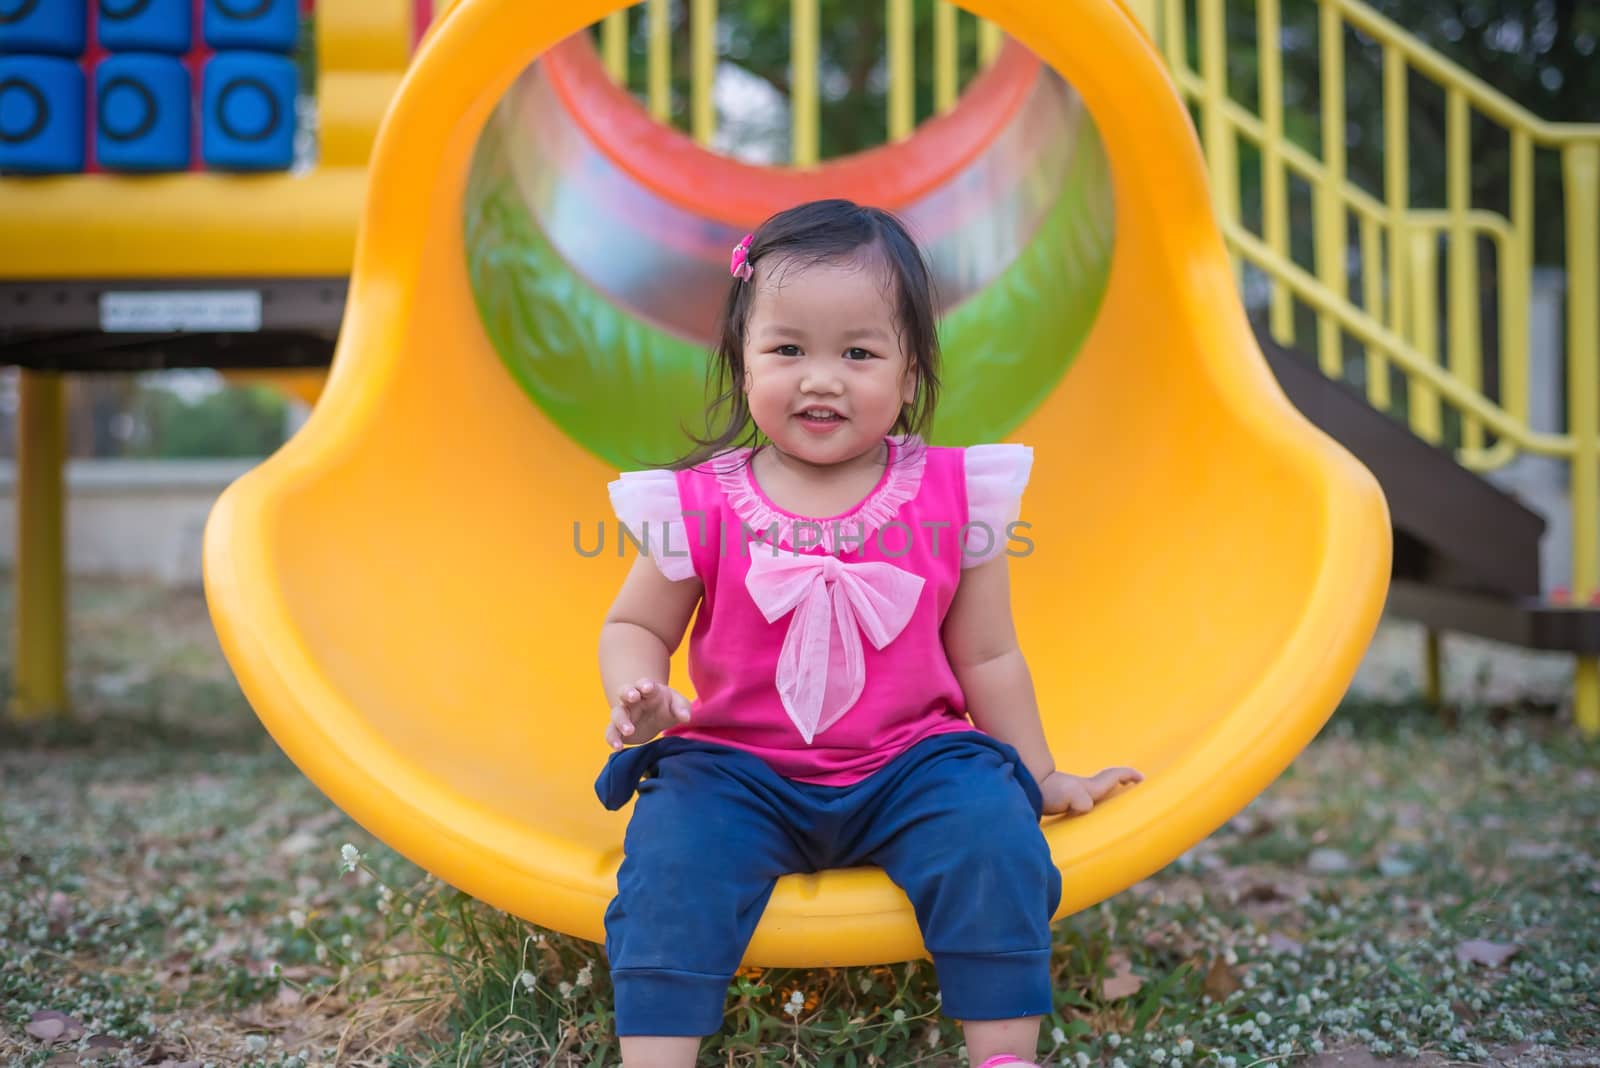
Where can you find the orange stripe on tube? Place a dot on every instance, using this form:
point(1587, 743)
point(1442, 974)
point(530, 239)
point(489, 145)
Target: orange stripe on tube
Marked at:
point(718, 187)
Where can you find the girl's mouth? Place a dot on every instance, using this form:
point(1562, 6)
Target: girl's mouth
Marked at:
point(820, 422)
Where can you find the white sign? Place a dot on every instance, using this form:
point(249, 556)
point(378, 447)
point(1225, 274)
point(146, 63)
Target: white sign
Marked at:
point(168, 310)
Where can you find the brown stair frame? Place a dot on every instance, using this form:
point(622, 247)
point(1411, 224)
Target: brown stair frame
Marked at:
point(1466, 553)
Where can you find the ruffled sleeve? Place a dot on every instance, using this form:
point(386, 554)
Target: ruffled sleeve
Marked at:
point(646, 502)
point(996, 475)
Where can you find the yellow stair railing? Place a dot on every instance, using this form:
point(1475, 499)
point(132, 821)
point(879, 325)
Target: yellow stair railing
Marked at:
point(1394, 319)
point(805, 21)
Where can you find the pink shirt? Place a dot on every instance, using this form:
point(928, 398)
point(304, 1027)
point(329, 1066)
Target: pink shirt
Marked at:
point(817, 644)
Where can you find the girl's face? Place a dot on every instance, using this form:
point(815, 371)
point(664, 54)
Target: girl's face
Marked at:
point(825, 373)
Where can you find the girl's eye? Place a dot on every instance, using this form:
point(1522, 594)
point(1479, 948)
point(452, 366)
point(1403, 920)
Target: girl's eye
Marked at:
point(788, 350)
point(857, 354)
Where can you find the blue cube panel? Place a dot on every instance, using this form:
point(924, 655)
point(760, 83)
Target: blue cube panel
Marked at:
point(257, 25)
point(146, 26)
point(41, 115)
point(247, 117)
point(142, 113)
point(49, 27)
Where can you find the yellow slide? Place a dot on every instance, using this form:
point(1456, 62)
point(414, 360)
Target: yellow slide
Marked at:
point(399, 593)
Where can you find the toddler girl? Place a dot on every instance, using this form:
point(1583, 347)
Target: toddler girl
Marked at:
point(861, 699)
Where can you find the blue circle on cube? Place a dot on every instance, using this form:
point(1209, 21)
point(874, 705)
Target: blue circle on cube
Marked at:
point(46, 27)
point(142, 113)
point(41, 115)
point(256, 25)
point(146, 26)
point(248, 111)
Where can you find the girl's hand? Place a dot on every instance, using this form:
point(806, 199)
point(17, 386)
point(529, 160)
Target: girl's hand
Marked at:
point(1076, 795)
point(643, 711)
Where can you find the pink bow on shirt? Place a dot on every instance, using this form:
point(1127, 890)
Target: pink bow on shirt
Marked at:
point(821, 670)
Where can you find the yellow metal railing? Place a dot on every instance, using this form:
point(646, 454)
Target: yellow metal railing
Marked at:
point(804, 87)
point(1395, 317)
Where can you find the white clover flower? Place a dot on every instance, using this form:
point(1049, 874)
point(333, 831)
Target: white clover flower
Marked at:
point(1057, 1036)
point(1118, 1062)
point(797, 998)
point(350, 857)
point(565, 988)
point(1263, 1019)
point(527, 980)
point(297, 919)
point(1081, 1059)
point(1186, 1047)
point(322, 953)
point(1158, 1055)
point(899, 1016)
point(585, 975)
point(1113, 1040)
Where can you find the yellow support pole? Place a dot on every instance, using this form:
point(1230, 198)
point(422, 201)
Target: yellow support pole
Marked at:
point(989, 40)
point(804, 131)
point(660, 70)
point(1145, 11)
point(40, 652)
point(1580, 165)
point(1514, 329)
point(1274, 177)
point(1465, 322)
point(1372, 299)
point(703, 53)
point(902, 86)
point(1216, 131)
point(1175, 35)
point(614, 46)
point(1422, 285)
point(1331, 243)
point(1396, 184)
point(944, 56)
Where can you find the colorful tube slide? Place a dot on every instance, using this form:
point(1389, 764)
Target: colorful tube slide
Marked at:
point(400, 590)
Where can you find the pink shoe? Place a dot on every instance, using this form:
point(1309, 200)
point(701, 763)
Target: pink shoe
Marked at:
point(1000, 1059)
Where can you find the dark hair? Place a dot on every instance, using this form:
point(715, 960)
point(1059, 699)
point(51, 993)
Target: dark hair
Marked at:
point(821, 231)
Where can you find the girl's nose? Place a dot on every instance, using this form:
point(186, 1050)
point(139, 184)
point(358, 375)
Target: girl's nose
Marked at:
point(817, 380)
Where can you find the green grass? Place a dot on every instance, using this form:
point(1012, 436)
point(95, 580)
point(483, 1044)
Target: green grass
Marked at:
point(170, 880)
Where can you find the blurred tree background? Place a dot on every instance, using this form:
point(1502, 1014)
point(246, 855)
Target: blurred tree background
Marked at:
point(164, 415)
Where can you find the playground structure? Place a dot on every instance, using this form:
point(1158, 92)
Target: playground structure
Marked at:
point(412, 643)
point(270, 250)
point(396, 645)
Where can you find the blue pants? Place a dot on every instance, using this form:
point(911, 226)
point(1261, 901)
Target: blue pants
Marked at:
point(954, 821)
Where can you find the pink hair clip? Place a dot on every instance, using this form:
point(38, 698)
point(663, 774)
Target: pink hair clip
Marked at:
point(739, 265)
